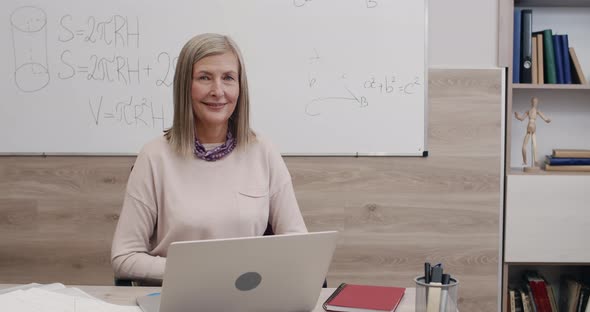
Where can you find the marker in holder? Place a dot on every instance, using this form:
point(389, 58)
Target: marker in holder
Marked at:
point(436, 296)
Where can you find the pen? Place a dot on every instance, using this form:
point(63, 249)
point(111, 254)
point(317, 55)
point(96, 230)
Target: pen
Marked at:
point(446, 279)
point(426, 278)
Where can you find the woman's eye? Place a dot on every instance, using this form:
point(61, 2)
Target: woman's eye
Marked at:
point(229, 78)
point(203, 78)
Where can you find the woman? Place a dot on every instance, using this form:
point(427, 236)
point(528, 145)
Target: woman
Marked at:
point(209, 176)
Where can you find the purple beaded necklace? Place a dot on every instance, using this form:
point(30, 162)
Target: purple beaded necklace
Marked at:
point(218, 152)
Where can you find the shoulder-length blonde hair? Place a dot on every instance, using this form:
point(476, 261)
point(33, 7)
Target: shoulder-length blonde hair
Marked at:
point(182, 133)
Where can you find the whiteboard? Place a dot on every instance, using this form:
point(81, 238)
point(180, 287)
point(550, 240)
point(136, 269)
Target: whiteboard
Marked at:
point(327, 77)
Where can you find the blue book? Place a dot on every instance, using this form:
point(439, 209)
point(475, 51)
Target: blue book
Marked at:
point(558, 59)
point(565, 52)
point(516, 46)
point(568, 161)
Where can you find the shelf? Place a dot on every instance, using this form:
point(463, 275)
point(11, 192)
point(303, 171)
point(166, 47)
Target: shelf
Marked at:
point(548, 264)
point(552, 3)
point(551, 86)
point(518, 171)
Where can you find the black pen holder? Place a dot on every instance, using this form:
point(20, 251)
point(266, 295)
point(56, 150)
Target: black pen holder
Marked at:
point(435, 297)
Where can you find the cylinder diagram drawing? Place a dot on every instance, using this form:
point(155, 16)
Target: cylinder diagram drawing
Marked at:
point(29, 43)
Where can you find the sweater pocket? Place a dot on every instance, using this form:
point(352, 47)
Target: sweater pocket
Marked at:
point(254, 192)
point(253, 205)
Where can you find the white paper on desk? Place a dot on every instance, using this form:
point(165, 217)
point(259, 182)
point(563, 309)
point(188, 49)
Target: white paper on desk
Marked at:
point(51, 287)
point(23, 287)
point(39, 300)
point(12, 301)
point(55, 287)
point(76, 292)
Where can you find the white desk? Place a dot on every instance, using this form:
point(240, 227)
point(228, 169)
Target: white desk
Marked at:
point(127, 295)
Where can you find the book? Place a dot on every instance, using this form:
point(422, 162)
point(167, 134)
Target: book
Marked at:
point(557, 49)
point(567, 168)
point(516, 300)
point(549, 57)
point(512, 305)
point(531, 296)
point(583, 299)
point(539, 291)
point(516, 47)
point(573, 153)
point(569, 161)
point(577, 68)
point(364, 298)
point(526, 301)
point(526, 47)
point(540, 67)
point(535, 66)
point(569, 294)
point(567, 73)
point(552, 300)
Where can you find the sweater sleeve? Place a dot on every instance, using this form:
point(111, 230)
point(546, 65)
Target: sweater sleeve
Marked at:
point(285, 215)
point(130, 253)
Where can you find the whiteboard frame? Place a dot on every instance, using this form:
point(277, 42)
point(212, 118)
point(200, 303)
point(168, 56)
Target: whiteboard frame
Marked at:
point(426, 76)
point(424, 153)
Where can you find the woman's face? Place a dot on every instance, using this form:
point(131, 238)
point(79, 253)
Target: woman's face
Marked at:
point(215, 89)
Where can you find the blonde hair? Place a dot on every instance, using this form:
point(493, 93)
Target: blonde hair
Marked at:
point(182, 133)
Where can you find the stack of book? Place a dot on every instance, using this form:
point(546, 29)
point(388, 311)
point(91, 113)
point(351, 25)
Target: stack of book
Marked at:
point(574, 295)
point(55, 297)
point(535, 294)
point(540, 57)
point(568, 160)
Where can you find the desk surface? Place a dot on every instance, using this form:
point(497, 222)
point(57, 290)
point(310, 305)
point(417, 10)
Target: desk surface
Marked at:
point(127, 295)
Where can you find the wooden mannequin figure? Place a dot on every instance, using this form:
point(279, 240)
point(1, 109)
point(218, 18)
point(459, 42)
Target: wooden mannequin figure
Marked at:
point(530, 133)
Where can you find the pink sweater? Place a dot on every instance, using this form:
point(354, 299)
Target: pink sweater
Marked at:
point(170, 199)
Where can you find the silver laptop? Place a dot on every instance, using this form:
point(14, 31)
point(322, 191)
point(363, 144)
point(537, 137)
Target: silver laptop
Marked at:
point(269, 273)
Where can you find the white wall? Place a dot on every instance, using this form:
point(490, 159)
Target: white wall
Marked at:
point(463, 33)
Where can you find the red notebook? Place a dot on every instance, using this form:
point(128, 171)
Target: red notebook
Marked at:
point(364, 298)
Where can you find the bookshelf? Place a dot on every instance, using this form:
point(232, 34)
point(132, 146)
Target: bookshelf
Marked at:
point(546, 213)
point(514, 171)
point(551, 86)
point(552, 3)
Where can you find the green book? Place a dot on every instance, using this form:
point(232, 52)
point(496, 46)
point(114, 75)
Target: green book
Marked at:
point(549, 57)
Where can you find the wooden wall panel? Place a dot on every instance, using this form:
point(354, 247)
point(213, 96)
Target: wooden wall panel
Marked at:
point(58, 214)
